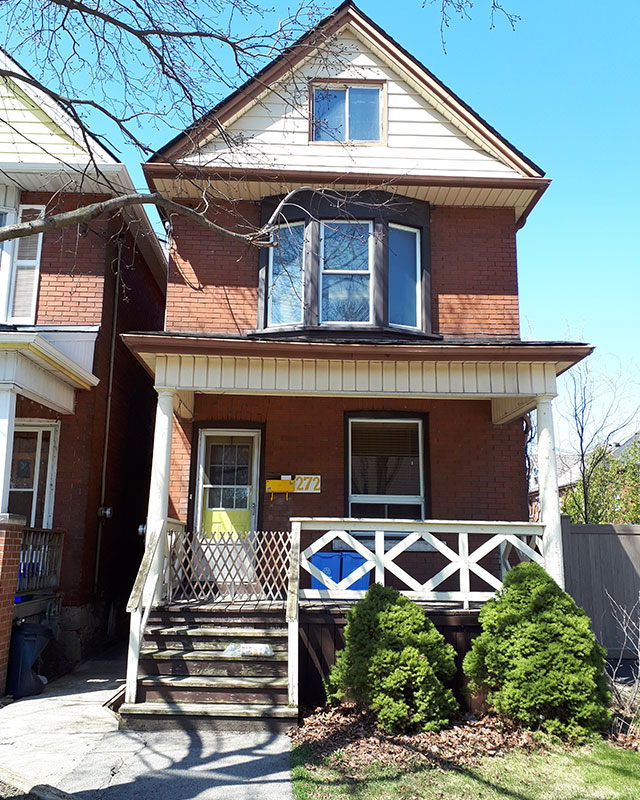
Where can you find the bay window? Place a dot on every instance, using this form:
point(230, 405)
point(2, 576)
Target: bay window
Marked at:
point(355, 260)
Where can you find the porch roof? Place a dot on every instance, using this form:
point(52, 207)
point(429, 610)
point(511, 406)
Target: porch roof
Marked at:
point(510, 373)
point(35, 368)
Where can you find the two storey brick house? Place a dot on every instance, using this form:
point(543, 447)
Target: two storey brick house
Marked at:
point(74, 449)
point(348, 403)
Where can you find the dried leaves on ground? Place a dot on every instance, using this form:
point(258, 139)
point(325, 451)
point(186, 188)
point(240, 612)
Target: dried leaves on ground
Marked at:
point(349, 732)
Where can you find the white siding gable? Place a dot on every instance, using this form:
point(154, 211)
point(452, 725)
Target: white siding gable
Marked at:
point(28, 134)
point(273, 132)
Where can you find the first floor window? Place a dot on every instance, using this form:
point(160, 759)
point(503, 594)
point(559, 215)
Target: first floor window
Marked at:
point(386, 469)
point(33, 473)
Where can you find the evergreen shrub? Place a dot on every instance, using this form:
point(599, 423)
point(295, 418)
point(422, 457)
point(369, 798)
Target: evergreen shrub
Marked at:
point(537, 659)
point(395, 662)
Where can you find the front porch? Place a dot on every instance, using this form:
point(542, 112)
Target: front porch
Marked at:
point(204, 592)
point(430, 430)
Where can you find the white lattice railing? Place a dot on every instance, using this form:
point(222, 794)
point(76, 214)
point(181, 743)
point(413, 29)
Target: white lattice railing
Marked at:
point(40, 561)
point(413, 553)
point(219, 566)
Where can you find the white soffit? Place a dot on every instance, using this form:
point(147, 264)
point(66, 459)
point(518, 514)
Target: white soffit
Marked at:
point(31, 366)
point(324, 377)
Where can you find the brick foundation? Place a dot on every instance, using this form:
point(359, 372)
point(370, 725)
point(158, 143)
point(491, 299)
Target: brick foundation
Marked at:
point(11, 527)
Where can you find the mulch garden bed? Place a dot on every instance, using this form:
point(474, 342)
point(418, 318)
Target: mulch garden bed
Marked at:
point(351, 730)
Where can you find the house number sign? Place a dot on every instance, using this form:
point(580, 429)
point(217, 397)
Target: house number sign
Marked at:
point(307, 484)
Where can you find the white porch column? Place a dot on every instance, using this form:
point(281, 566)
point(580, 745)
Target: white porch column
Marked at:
point(160, 472)
point(7, 428)
point(548, 485)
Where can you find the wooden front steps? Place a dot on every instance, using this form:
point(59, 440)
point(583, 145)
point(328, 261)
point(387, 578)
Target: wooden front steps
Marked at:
point(185, 680)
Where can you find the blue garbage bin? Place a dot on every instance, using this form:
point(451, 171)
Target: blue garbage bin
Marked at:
point(350, 563)
point(329, 563)
point(28, 640)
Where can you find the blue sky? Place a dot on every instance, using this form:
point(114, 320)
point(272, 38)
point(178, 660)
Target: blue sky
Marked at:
point(563, 88)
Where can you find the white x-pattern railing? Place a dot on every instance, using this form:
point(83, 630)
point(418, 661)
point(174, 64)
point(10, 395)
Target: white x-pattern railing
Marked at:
point(454, 540)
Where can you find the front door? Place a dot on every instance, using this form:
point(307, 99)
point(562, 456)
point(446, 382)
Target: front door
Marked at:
point(228, 481)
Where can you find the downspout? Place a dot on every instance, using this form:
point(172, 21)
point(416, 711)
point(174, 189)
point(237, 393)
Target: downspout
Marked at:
point(107, 422)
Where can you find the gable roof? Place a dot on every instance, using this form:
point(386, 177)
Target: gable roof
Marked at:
point(453, 107)
point(54, 153)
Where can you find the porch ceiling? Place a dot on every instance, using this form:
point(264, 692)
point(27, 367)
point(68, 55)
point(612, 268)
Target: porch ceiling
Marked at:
point(510, 375)
point(33, 367)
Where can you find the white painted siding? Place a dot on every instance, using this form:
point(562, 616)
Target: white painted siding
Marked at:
point(274, 132)
point(294, 376)
point(27, 134)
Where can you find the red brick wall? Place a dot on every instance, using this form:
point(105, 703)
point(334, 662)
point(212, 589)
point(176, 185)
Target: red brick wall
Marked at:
point(474, 282)
point(72, 266)
point(213, 280)
point(10, 540)
point(477, 468)
point(77, 287)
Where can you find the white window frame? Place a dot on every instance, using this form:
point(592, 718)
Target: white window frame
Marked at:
point(328, 87)
point(323, 271)
point(39, 426)
point(6, 268)
point(418, 233)
point(400, 499)
point(256, 435)
point(270, 324)
point(25, 264)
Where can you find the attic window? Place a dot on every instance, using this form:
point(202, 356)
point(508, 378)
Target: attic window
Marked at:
point(347, 113)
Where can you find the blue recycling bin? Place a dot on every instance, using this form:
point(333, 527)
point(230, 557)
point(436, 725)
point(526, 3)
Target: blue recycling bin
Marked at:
point(350, 563)
point(329, 563)
point(28, 640)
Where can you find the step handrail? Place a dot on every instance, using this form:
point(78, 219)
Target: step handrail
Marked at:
point(293, 604)
point(140, 602)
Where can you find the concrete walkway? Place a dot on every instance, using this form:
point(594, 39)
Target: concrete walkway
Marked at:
point(65, 738)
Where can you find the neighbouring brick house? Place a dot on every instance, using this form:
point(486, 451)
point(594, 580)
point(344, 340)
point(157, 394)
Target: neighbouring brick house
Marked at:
point(360, 386)
point(76, 410)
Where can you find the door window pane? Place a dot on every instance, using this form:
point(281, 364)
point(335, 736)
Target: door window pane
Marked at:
point(228, 483)
point(403, 276)
point(285, 282)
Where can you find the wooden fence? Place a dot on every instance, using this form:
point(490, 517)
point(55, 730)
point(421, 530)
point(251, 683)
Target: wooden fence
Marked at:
point(600, 559)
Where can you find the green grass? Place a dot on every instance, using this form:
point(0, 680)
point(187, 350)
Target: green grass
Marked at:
point(600, 772)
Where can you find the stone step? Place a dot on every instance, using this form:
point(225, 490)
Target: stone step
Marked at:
point(211, 689)
point(160, 715)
